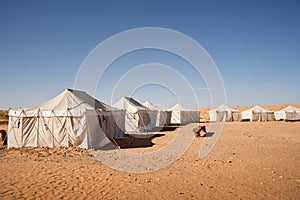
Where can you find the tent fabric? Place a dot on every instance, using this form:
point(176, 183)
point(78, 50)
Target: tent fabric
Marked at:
point(73, 118)
point(289, 113)
point(163, 116)
point(182, 115)
point(138, 117)
point(258, 113)
point(224, 113)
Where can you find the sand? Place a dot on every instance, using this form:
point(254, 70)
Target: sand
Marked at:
point(252, 160)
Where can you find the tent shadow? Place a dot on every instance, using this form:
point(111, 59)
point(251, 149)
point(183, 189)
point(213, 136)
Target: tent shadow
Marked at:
point(3, 136)
point(137, 140)
point(164, 128)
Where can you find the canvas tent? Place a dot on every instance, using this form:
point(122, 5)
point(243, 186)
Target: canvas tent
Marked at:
point(182, 115)
point(224, 113)
point(163, 116)
point(257, 113)
point(138, 117)
point(289, 113)
point(73, 118)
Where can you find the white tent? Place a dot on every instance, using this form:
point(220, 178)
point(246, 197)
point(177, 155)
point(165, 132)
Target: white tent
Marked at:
point(257, 113)
point(288, 113)
point(163, 116)
point(138, 117)
point(73, 118)
point(224, 113)
point(182, 115)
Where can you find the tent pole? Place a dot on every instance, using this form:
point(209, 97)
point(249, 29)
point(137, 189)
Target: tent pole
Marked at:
point(38, 126)
point(113, 139)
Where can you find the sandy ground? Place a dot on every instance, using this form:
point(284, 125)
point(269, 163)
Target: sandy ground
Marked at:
point(252, 160)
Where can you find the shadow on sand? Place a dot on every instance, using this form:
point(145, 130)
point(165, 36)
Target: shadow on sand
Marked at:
point(137, 140)
point(209, 134)
point(164, 128)
point(142, 140)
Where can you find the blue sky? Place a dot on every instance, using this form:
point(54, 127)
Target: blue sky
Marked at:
point(255, 45)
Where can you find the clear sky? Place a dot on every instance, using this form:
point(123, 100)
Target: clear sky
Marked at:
point(255, 45)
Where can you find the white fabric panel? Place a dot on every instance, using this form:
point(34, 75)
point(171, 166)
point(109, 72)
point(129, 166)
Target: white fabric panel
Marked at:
point(193, 116)
point(119, 121)
point(60, 131)
point(115, 124)
point(30, 131)
point(143, 120)
point(77, 132)
point(96, 137)
point(247, 115)
point(15, 136)
point(185, 117)
point(293, 115)
point(163, 117)
point(131, 121)
point(45, 133)
point(212, 115)
point(255, 117)
point(188, 116)
point(149, 119)
point(280, 115)
point(236, 116)
point(270, 116)
point(221, 116)
point(176, 117)
point(264, 116)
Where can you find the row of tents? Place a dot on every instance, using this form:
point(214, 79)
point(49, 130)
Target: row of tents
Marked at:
point(257, 113)
point(74, 118)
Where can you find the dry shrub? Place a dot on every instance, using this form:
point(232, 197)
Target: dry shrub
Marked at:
point(3, 114)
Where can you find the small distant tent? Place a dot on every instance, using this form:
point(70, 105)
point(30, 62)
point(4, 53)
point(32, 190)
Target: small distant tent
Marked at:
point(224, 113)
point(163, 116)
point(182, 115)
point(257, 113)
point(73, 118)
point(138, 117)
point(290, 113)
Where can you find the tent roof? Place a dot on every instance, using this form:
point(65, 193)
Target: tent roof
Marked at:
point(151, 106)
point(178, 107)
point(129, 103)
point(72, 100)
point(224, 108)
point(257, 109)
point(290, 109)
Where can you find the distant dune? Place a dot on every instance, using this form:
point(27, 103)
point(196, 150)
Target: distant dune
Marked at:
point(272, 107)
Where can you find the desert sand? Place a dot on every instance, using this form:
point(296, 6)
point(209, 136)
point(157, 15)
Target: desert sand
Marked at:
point(252, 160)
